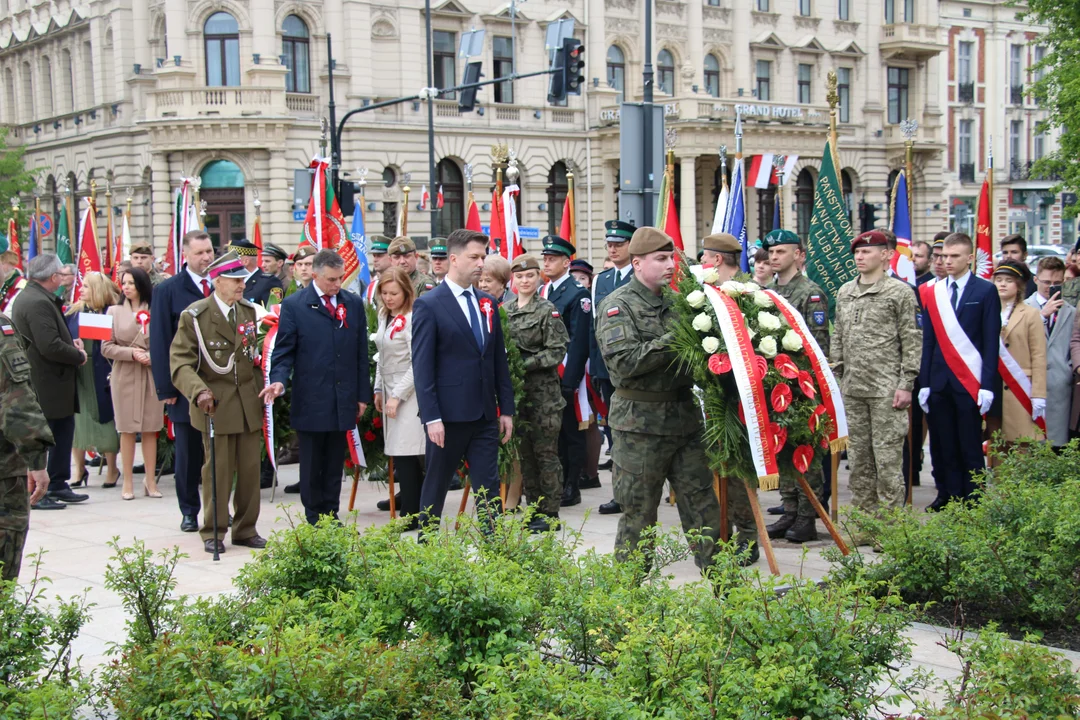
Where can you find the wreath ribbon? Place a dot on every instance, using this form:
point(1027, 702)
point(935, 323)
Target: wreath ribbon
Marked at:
point(270, 320)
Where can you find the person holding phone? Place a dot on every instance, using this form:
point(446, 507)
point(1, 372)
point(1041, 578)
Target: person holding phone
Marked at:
point(1058, 319)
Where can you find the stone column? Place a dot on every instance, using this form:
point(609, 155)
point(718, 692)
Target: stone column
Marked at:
point(277, 205)
point(740, 51)
point(264, 38)
point(160, 200)
point(176, 21)
point(696, 41)
point(688, 201)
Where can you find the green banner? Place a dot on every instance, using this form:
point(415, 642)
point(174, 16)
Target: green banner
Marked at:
point(63, 238)
point(829, 261)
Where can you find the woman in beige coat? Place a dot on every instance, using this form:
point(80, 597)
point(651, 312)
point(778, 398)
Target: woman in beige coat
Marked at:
point(134, 398)
point(395, 396)
point(1024, 336)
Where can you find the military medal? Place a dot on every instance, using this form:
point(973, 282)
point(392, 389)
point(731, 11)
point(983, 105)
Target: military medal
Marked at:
point(340, 315)
point(397, 326)
point(143, 318)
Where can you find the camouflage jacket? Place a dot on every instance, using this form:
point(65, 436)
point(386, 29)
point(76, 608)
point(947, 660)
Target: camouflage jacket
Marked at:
point(877, 339)
point(541, 338)
point(811, 302)
point(421, 282)
point(652, 395)
point(25, 437)
point(1070, 292)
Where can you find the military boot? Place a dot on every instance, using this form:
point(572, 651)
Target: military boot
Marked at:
point(803, 530)
point(747, 553)
point(781, 526)
point(571, 493)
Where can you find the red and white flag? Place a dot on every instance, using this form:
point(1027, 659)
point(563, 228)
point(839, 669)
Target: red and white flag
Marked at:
point(984, 243)
point(762, 174)
point(425, 199)
point(439, 198)
point(89, 258)
point(512, 236)
point(93, 326)
point(356, 448)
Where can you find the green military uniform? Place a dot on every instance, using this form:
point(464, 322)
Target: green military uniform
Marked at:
point(25, 440)
point(402, 245)
point(656, 421)
point(1070, 292)
point(209, 352)
point(542, 339)
point(876, 350)
point(809, 299)
point(301, 253)
point(422, 282)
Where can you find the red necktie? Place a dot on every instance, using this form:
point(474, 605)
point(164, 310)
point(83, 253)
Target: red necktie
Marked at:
point(329, 305)
point(205, 288)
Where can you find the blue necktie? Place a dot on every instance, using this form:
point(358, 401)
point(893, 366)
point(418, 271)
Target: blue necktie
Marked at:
point(955, 295)
point(474, 320)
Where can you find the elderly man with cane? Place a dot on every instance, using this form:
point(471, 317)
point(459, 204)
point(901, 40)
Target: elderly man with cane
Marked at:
point(213, 366)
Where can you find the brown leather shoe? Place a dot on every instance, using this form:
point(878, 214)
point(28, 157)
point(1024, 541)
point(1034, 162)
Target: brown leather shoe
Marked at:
point(254, 541)
point(208, 545)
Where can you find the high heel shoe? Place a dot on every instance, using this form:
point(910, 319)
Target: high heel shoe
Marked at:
point(83, 481)
point(127, 496)
point(116, 479)
point(155, 494)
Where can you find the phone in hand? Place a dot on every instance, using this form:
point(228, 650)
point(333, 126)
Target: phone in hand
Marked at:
point(1055, 290)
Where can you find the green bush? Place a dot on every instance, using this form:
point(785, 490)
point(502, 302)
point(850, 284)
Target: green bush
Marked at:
point(1012, 555)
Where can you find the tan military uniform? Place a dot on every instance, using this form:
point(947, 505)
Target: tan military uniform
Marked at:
point(223, 363)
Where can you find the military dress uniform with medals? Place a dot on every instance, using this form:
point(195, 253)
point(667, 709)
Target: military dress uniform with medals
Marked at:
point(213, 351)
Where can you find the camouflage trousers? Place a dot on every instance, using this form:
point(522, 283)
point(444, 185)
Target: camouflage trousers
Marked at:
point(739, 511)
point(14, 522)
point(640, 465)
point(795, 500)
point(876, 435)
point(541, 471)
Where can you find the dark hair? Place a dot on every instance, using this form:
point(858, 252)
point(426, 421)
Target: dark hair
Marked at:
point(941, 235)
point(458, 240)
point(143, 286)
point(959, 239)
point(1052, 263)
point(730, 259)
point(761, 255)
point(195, 235)
point(921, 243)
point(1015, 240)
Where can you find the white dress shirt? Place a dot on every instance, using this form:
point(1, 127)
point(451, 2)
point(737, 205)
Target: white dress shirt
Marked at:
point(462, 300)
point(198, 279)
point(961, 285)
point(224, 307)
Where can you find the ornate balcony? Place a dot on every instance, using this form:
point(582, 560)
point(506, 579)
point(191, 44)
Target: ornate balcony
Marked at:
point(916, 42)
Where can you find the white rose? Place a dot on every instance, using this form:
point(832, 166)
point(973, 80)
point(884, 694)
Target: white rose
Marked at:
point(696, 299)
point(372, 336)
point(762, 300)
point(767, 346)
point(711, 277)
point(710, 344)
point(768, 321)
point(751, 287)
point(732, 288)
point(791, 341)
point(375, 358)
point(702, 323)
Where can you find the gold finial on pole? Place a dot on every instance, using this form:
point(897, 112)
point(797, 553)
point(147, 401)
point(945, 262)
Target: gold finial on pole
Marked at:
point(406, 177)
point(832, 96)
point(129, 200)
point(909, 127)
point(779, 161)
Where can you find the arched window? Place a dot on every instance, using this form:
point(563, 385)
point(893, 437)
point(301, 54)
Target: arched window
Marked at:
point(28, 104)
point(47, 109)
point(616, 69)
point(452, 215)
point(221, 34)
point(665, 72)
point(223, 191)
point(294, 47)
point(712, 75)
point(804, 203)
point(556, 196)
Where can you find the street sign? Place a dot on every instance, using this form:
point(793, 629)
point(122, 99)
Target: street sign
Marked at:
point(45, 225)
point(525, 233)
point(1068, 199)
point(299, 215)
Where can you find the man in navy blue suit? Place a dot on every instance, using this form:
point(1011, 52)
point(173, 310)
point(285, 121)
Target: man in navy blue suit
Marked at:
point(322, 343)
point(171, 298)
point(953, 408)
point(462, 378)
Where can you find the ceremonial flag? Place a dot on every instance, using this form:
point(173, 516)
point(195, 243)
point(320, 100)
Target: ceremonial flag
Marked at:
point(777, 199)
point(13, 241)
point(107, 254)
point(123, 240)
point(498, 224)
point(735, 217)
point(63, 238)
point(89, 253)
point(184, 218)
point(762, 174)
point(901, 263)
point(424, 198)
point(510, 224)
point(720, 215)
point(358, 235)
point(568, 226)
point(829, 261)
point(439, 198)
point(93, 326)
point(257, 241)
point(984, 243)
point(472, 215)
point(671, 218)
point(32, 242)
point(324, 225)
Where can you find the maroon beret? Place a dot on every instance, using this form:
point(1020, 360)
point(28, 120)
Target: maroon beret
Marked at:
point(872, 238)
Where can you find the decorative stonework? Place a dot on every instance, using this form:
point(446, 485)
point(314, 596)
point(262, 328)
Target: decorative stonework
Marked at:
point(845, 26)
point(674, 32)
point(620, 4)
point(384, 22)
point(764, 18)
point(807, 23)
point(716, 14)
point(664, 8)
point(717, 35)
point(622, 26)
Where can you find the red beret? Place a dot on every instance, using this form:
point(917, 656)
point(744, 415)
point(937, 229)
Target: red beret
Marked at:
point(871, 238)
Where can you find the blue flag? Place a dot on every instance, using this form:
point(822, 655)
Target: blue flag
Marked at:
point(735, 221)
point(359, 241)
point(776, 211)
point(32, 243)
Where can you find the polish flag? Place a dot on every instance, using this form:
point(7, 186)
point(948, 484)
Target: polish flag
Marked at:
point(424, 198)
point(762, 174)
point(439, 198)
point(95, 327)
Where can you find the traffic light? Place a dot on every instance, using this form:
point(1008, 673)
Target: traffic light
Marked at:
point(468, 95)
point(867, 216)
point(573, 65)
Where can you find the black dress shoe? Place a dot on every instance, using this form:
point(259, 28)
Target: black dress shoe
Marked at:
point(252, 542)
point(610, 508)
point(938, 504)
point(384, 505)
point(747, 553)
point(455, 484)
point(47, 503)
point(571, 496)
point(804, 530)
point(589, 483)
point(543, 523)
point(189, 524)
point(778, 510)
point(606, 465)
point(208, 545)
point(292, 489)
point(68, 496)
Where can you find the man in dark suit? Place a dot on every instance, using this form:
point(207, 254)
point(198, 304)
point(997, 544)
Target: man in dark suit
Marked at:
point(461, 376)
point(259, 287)
point(171, 298)
point(575, 308)
point(331, 385)
point(617, 234)
point(954, 412)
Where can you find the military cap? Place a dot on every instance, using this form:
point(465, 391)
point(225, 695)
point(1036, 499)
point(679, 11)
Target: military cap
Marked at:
point(275, 252)
point(1013, 269)
point(525, 261)
point(401, 245)
point(871, 238)
point(555, 245)
point(304, 251)
point(721, 242)
point(581, 266)
point(780, 237)
point(379, 244)
point(649, 240)
point(244, 247)
point(228, 265)
point(617, 231)
point(438, 248)
point(142, 250)
point(939, 239)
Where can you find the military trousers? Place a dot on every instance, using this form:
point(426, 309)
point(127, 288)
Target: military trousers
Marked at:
point(14, 523)
point(541, 469)
point(237, 455)
point(876, 438)
point(640, 465)
point(795, 500)
point(740, 514)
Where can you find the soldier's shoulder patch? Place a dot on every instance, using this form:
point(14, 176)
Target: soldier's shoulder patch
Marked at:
point(815, 298)
point(819, 317)
point(194, 310)
point(586, 305)
point(918, 318)
point(613, 311)
point(555, 313)
point(428, 286)
point(276, 294)
point(7, 329)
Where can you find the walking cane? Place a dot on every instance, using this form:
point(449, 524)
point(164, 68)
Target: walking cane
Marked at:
point(213, 483)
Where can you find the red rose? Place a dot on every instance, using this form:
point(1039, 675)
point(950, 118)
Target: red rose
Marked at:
point(376, 422)
point(719, 363)
point(801, 458)
point(786, 366)
point(369, 436)
point(781, 398)
point(806, 384)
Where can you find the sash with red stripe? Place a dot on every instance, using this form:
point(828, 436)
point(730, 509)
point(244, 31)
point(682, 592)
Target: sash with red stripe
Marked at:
point(270, 320)
point(1016, 380)
point(581, 397)
point(369, 293)
point(960, 355)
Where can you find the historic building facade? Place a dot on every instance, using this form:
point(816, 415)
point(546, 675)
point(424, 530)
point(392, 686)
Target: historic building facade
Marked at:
point(143, 92)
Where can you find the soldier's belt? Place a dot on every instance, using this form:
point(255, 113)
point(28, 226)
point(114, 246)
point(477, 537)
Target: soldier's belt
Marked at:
point(679, 395)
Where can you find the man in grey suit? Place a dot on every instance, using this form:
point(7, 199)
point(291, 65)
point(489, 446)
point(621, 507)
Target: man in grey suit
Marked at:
point(1058, 317)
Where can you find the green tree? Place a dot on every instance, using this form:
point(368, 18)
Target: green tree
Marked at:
point(15, 180)
point(1057, 87)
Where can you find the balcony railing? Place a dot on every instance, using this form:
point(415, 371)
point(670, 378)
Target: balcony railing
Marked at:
point(302, 103)
point(233, 101)
point(1016, 94)
point(1020, 170)
point(967, 172)
point(966, 92)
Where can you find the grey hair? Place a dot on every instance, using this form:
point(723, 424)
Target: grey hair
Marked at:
point(327, 259)
point(71, 266)
point(42, 267)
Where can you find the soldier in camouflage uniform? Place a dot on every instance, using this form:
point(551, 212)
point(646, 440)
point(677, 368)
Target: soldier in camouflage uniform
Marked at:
point(655, 420)
point(402, 252)
point(876, 351)
point(542, 339)
point(25, 440)
point(787, 255)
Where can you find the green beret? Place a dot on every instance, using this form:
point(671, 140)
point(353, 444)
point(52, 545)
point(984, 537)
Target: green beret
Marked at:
point(780, 237)
point(721, 242)
point(649, 240)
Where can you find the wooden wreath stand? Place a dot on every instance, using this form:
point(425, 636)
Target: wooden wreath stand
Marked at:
point(390, 479)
